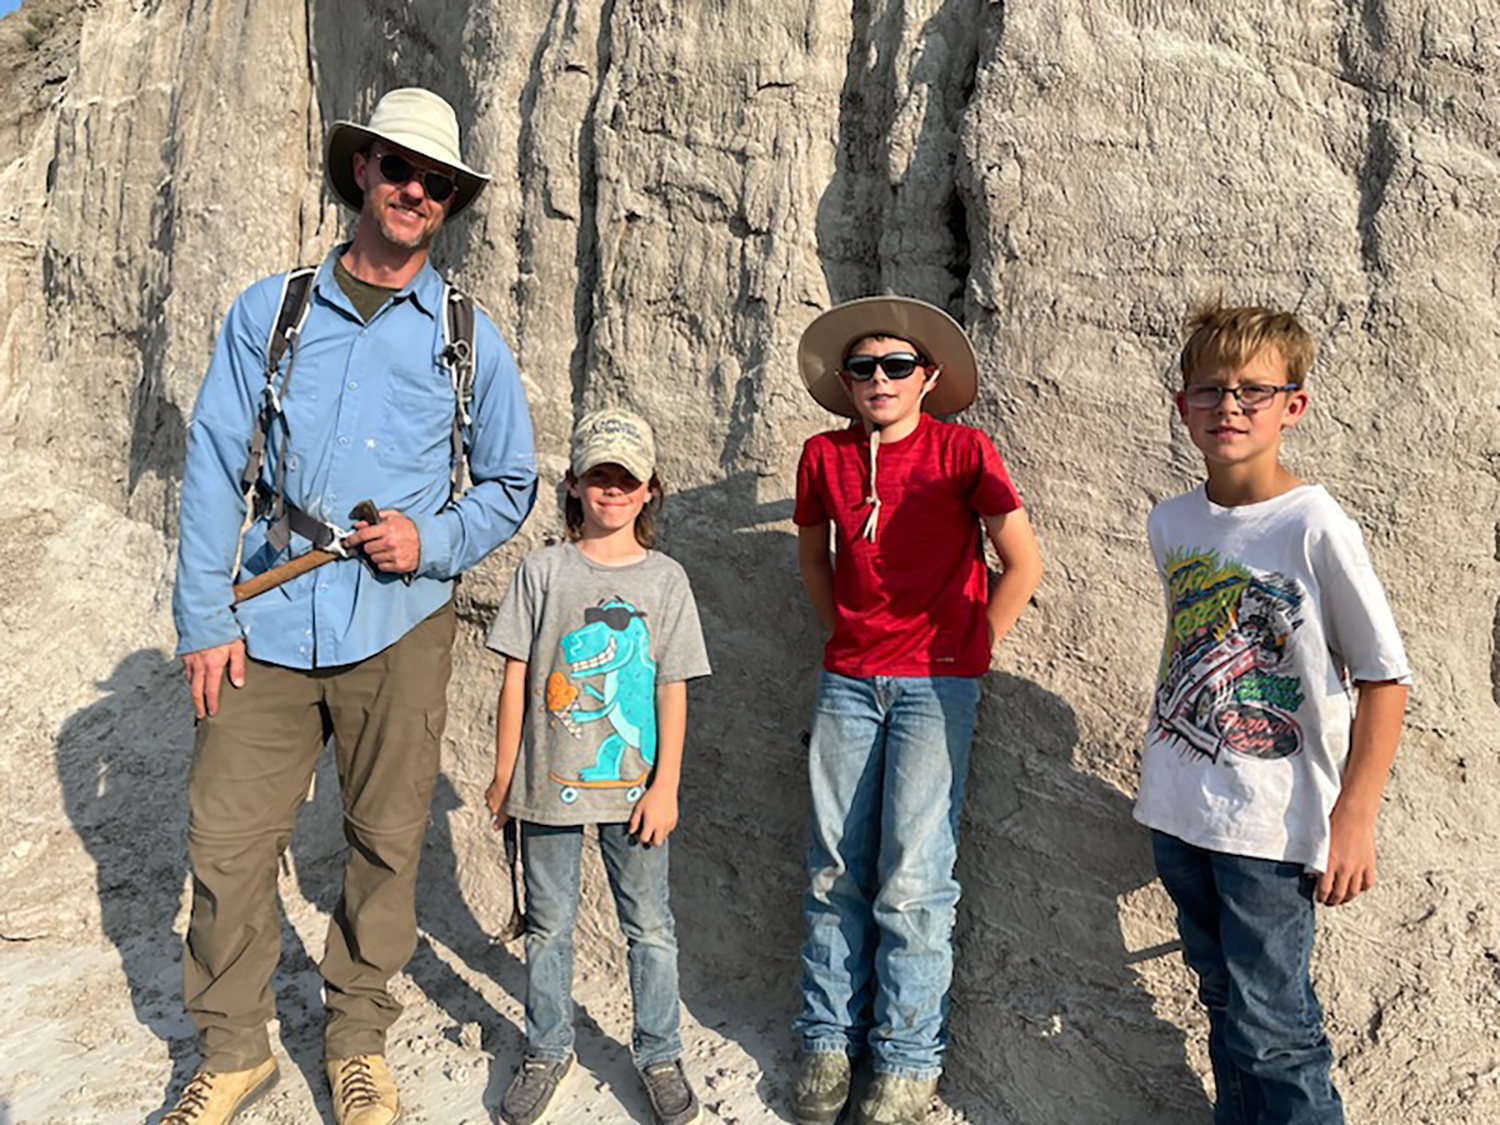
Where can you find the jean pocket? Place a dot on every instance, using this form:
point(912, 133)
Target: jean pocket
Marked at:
point(417, 427)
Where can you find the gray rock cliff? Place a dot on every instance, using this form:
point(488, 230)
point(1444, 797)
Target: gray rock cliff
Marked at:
point(678, 188)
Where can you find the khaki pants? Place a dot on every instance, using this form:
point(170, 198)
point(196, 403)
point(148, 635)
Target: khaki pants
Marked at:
point(252, 764)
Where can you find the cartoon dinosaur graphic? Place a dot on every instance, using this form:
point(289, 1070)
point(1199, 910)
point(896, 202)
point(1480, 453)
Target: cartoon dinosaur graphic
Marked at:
point(611, 646)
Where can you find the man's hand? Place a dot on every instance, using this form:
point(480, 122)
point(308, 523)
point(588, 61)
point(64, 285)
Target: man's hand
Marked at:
point(1351, 857)
point(655, 815)
point(392, 544)
point(204, 670)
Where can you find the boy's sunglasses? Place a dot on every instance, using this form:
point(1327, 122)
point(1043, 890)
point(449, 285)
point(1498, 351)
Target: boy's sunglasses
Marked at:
point(896, 365)
point(1250, 396)
point(617, 617)
point(401, 171)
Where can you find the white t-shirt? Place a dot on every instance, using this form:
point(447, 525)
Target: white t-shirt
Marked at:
point(1273, 610)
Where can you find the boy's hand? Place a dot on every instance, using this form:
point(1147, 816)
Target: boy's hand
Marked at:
point(1351, 857)
point(494, 799)
point(655, 815)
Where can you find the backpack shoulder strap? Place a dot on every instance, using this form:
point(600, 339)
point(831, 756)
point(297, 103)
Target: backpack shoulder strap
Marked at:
point(291, 313)
point(296, 291)
point(458, 356)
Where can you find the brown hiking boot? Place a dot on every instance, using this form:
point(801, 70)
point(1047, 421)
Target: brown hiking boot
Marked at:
point(363, 1093)
point(212, 1098)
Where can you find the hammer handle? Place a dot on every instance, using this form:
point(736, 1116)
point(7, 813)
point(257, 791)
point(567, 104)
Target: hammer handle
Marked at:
point(270, 579)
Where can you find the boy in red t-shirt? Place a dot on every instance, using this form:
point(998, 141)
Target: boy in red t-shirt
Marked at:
point(912, 625)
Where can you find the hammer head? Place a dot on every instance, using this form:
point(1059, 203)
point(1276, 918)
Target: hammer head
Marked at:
point(366, 511)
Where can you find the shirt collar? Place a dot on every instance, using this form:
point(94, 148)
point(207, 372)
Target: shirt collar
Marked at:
point(425, 289)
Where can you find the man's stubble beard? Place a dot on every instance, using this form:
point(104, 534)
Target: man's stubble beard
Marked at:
point(419, 241)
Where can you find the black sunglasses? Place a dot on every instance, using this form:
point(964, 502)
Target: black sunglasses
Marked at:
point(617, 617)
point(399, 170)
point(896, 365)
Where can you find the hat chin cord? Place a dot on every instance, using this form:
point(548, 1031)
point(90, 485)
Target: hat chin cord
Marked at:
point(872, 521)
point(873, 499)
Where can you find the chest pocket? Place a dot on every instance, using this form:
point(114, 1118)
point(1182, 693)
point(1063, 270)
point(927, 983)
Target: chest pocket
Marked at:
point(416, 429)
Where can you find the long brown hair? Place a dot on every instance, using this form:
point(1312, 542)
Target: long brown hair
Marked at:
point(645, 522)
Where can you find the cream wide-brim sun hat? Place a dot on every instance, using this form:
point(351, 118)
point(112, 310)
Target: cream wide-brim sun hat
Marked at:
point(414, 119)
point(820, 352)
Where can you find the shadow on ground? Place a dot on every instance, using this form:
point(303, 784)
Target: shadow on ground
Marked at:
point(1050, 1022)
point(122, 763)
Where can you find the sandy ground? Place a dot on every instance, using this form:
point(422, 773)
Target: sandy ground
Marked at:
point(80, 1047)
point(93, 890)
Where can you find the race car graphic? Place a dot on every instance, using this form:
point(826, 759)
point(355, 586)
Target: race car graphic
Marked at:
point(1226, 680)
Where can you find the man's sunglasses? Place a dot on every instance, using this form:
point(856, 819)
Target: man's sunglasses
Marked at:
point(401, 171)
point(896, 365)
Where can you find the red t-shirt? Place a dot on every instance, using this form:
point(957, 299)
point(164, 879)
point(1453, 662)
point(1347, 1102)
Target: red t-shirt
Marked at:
point(912, 602)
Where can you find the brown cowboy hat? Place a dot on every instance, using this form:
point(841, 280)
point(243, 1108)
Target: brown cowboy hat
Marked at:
point(411, 118)
point(825, 342)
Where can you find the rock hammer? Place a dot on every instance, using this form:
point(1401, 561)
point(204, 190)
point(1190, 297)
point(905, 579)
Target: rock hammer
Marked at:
point(268, 580)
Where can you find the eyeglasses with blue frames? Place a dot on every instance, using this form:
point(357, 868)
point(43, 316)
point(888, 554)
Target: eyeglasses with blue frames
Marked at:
point(896, 365)
point(1250, 396)
point(401, 171)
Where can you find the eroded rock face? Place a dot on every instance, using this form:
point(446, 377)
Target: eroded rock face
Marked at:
point(678, 188)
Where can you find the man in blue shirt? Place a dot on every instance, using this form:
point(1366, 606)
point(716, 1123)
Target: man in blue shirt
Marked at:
point(362, 406)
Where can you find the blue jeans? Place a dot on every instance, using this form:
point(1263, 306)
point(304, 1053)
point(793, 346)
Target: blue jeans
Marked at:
point(1247, 931)
point(638, 878)
point(887, 763)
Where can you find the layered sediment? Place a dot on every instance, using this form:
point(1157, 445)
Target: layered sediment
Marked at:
point(678, 188)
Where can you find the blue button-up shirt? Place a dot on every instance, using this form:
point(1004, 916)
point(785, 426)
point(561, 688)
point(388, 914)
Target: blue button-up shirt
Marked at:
point(369, 410)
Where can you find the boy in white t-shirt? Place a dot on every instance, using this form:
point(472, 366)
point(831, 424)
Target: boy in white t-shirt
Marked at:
point(1260, 778)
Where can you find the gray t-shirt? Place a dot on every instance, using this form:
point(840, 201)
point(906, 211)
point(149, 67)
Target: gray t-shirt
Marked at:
point(597, 640)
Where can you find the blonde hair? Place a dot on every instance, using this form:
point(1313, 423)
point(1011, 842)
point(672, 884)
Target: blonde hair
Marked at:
point(1233, 336)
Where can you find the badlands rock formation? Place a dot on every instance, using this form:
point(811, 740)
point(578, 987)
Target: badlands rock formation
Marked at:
point(679, 186)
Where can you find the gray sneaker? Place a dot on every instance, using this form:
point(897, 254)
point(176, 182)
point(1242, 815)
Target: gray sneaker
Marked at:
point(672, 1099)
point(822, 1087)
point(896, 1101)
point(529, 1095)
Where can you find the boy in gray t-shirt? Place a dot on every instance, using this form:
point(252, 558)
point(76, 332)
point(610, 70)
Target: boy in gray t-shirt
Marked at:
point(598, 640)
point(600, 635)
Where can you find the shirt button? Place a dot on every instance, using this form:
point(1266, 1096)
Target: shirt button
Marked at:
point(343, 439)
point(353, 385)
point(364, 331)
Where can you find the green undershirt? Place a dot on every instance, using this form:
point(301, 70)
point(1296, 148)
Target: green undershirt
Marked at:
point(365, 298)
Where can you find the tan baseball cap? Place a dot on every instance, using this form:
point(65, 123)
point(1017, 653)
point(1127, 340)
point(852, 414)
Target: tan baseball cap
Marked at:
point(824, 343)
point(414, 119)
point(613, 436)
